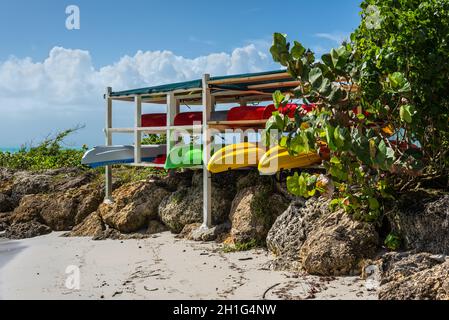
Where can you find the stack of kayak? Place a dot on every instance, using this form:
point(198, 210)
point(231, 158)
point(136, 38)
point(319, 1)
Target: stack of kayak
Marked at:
point(231, 157)
point(240, 113)
point(248, 155)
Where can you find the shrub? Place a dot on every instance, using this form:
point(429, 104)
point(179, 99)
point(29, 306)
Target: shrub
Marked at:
point(381, 105)
point(49, 154)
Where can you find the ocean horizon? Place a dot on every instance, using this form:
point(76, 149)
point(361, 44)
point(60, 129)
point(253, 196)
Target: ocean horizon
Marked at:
point(9, 149)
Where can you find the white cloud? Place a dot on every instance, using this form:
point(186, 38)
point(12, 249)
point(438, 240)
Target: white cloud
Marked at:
point(337, 36)
point(65, 89)
point(202, 41)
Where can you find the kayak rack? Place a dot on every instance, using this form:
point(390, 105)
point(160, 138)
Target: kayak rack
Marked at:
point(207, 92)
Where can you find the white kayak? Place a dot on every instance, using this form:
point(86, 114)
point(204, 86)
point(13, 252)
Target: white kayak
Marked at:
point(108, 155)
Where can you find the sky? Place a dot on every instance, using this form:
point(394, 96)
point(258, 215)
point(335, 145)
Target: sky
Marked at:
point(52, 78)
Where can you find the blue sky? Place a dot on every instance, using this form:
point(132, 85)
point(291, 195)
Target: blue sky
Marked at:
point(137, 43)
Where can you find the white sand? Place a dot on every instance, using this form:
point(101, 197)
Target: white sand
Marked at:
point(162, 267)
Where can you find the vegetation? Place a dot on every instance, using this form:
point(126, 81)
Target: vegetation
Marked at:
point(243, 246)
point(49, 154)
point(392, 242)
point(154, 139)
point(381, 105)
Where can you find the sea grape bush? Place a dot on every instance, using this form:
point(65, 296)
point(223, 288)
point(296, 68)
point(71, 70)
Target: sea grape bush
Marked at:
point(49, 154)
point(381, 104)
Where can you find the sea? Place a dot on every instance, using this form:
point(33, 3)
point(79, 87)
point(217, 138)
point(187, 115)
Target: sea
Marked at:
point(9, 149)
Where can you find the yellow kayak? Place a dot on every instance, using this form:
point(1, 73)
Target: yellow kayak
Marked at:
point(236, 156)
point(278, 158)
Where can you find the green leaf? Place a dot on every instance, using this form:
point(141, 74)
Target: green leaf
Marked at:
point(407, 112)
point(280, 49)
point(327, 60)
point(335, 160)
point(298, 50)
point(330, 137)
point(339, 137)
point(325, 88)
point(339, 58)
point(278, 98)
point(316, 77)
point(399, 83)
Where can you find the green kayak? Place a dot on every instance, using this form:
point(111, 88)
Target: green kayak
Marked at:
point(185, 156)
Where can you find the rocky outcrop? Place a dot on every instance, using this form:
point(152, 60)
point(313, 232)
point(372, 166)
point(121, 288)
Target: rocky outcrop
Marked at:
point(185, 206)
point(292, 227)
point(6, 203)
point(321, 242)
point(253, 212)
point(26, 230)
point(61, 211)
point(196, 232)
point(4, 220)
point(409, 276)
point(92, 226)
point(14, 185)
point(422, 221)
point(155, 227)
point(135, 204)
point(337, 245)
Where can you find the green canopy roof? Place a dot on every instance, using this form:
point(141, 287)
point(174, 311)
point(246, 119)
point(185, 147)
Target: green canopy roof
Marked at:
point(197, 84)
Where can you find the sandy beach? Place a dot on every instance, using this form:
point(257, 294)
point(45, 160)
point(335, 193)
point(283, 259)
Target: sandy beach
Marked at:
point(161, 267)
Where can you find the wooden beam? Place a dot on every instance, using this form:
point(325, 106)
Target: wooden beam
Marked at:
point(172, 106)
point(108, 125)
point(271, 77)
point(292, 84)
point(207, 178)
point(137, 133)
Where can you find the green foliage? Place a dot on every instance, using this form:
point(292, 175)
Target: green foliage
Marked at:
point(410, 44)
point(242, 246)
point(154, 139)
point(376, 97)
point(49, 154)
point(392, 242)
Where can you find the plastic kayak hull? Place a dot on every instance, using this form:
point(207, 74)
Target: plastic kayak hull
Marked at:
point(278, 158)
point(236, 156)
point(251, 113)
point(186, 156)
point(109, 155)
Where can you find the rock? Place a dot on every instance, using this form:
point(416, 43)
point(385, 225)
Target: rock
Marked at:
point(397, 266)
point(26, 230)
point(176, 180)
point(422, 221)
point(6, 174)
point(337, 245)
point(60, 211)
point(292, 227)
point(4, 220)
point(135, 204)
point(113, 234)
point(185, 206)
point(15, 185)
point(29, 209)
point(411, 276)
point(67, 181)
point(253, 212)
point(92, 226)
point(196, 232)
point(6, 203)
point(187, 231)
point(155, 227)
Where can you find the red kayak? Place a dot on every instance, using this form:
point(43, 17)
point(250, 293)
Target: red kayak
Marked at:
point(290, 109)
point(188, 118)
point(154, 120)
point(251, 113)
point(182, 119)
